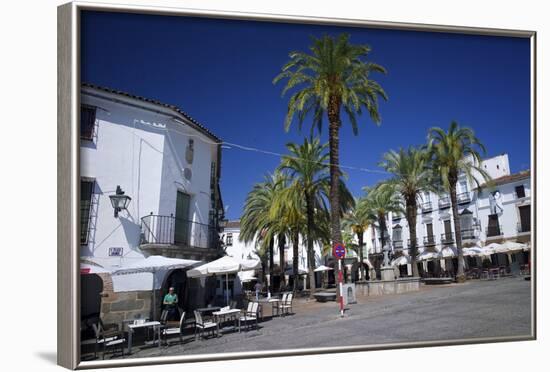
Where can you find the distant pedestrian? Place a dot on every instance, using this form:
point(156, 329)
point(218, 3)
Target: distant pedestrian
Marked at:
point(170, 303)
point(258, 288)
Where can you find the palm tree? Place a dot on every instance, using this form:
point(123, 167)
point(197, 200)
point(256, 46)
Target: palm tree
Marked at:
point(307, 165)
point(256, 222)
point(411, 175)
point(381, 200)
point(289, 208)
point(455, 153)
point(357, 221)
point(333, 77)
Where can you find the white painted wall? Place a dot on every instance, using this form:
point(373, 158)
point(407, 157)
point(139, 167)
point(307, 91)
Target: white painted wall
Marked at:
point(143, 152)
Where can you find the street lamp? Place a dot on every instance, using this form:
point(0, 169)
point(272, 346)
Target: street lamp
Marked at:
point(119, 201)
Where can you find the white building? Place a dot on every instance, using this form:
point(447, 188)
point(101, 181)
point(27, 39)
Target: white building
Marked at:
point(496, 211)
point(168, 164)
point(236, 248)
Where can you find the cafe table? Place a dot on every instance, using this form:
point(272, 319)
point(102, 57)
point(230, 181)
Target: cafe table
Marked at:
point(151, 324)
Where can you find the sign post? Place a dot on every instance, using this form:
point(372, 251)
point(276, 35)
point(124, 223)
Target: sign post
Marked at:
point(339, 252)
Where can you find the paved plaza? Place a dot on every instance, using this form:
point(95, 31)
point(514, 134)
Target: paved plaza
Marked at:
point(476, 309)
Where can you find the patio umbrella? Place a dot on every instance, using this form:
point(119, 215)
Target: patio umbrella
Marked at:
point(323, 268)
point(402, 260)
point(154, 264)
point(472, 251)
point(527, 247)
point(509, 247)
point(426, 255)
point(448, 252)
point(491, 248)
point(225, 265)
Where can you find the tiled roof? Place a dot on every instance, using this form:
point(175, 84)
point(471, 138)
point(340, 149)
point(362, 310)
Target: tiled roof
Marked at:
point(507, 179)
point(174, 108)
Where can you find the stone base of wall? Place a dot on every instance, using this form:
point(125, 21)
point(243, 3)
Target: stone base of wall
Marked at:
point(119, 306)
point(382, 287)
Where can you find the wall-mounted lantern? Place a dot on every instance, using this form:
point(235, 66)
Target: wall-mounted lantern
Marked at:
point(119, 201)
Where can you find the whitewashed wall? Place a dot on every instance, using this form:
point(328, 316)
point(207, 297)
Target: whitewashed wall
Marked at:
point(144, 153)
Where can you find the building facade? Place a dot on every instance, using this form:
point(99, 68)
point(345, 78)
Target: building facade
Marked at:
point(494, 211)
point(167, 168)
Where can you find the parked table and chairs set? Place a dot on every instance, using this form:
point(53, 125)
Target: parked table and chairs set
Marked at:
point(211, 321)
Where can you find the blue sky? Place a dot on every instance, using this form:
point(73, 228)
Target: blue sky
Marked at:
point(221, 71)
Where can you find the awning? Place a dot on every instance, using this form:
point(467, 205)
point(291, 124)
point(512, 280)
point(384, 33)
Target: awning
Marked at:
point(86, 268)
point(426, 255)
point(246, 276)
point(153, 264)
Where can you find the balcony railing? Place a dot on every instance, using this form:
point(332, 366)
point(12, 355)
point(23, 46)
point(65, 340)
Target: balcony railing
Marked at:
point(447, 238)
point(398, 244)
point(444, 202)
point(427, 207)
point(463, 198)
point(523, 228)
point(397, 216)
point(494, 231)
point(429, 240)
point(467, 234)
point(170, 230)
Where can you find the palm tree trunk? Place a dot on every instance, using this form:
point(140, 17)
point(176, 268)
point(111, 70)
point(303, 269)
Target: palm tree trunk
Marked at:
point(460, 269)
point(382, 222)
point(361, 268)
point(333, 113)
point(281, 239)
point(295, 247)
point(271, 261)
point(411, 220)
point(310, 251)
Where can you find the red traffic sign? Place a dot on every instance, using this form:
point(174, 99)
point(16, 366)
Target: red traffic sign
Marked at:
point(339, 251)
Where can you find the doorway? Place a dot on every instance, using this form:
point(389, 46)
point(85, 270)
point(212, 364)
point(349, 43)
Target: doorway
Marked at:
point(182, 225)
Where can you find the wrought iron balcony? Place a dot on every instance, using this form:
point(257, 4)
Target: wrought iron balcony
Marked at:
point(444, 202)
point(169, 230)
point(427, 207)
point(429, 241)
point(468, 234)
point(398, 244)
point(463, 198)
point(494, 231)
point(447, 238)
point(524, 228)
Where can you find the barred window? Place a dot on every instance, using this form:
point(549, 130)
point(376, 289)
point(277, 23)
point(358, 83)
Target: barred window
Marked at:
point(87, 122)
point(229, 240)
point(86, 191)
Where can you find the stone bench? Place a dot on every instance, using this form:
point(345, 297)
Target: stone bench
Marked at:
point(325, 296)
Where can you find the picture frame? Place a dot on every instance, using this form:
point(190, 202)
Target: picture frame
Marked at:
point(69, 173)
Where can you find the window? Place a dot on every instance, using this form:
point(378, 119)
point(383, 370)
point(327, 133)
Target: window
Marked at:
point(86, 191)
point(87, 122)
point(229, 240)
point(520, 191)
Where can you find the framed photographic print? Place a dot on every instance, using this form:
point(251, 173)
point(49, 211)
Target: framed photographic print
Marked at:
point(236, 185)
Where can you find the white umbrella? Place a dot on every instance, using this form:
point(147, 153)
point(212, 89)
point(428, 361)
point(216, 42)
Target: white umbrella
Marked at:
point(323, 268)
point(246, 276)
point(527, 246)
point(448, 252)
point(402, 260)
point(426, 255)
point(472, 251)
point(153, 264)
point(509, 246)
point(225, 265)
point(491, 248)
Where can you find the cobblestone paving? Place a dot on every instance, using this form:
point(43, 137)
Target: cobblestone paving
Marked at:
point(475, 309)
